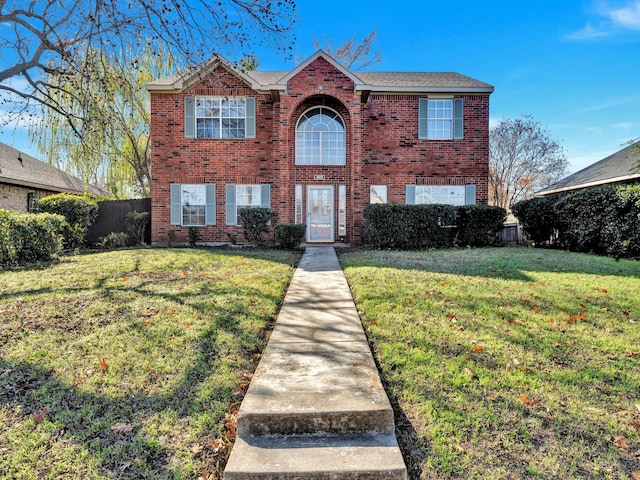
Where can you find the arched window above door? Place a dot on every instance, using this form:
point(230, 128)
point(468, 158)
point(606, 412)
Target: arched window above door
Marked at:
point(320, 138)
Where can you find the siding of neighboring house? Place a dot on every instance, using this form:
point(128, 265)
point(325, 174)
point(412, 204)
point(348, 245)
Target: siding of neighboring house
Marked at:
point(16, 197)
point(382, 148)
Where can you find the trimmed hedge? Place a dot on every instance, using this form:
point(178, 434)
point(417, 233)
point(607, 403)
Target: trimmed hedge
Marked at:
point(413, 227)
point(290, 235)
point(478, 225)
point(79, 211)
point(255, 223)
point(603, 220)
point(538, 218)
point(29, 238)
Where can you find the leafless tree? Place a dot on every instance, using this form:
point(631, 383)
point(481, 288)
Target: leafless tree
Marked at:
point(523, 159)
point(351, 54)
point(46, 39)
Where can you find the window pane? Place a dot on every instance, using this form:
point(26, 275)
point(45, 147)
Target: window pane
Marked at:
point(378, 194)
point(320, 138)
point(440, 194)
point(440, 119)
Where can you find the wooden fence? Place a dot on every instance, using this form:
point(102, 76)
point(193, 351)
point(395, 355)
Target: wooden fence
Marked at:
point(112, 217)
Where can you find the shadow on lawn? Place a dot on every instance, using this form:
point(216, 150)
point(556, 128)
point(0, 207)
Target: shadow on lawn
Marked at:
point(84, 419)
point(508, 263)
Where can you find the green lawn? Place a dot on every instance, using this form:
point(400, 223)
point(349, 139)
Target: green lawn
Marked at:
point(506, 363)
point(131, 364)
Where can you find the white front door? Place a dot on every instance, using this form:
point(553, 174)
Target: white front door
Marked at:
point(320, 213)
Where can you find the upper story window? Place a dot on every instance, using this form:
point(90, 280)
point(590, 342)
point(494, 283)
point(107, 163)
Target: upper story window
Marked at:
point(220, 117)
point(440, 119)
point(320, 138)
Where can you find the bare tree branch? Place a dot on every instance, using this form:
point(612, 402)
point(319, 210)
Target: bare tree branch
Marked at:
point(352, 55)
point(522, 160)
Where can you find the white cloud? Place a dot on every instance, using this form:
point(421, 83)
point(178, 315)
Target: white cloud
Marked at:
point(610, 20)
point(588, 32)
point(626, 126)
point(626, 17)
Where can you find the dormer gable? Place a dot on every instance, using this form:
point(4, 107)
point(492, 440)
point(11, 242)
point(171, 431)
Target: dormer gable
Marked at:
point(357, 82)
point(181, 81)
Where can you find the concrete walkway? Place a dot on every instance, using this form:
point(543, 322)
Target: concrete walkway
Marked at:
point(316, 408)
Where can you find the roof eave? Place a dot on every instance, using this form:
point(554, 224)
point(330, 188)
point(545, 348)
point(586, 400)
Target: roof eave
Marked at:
point(422, 90)
point(39, 186)
point(624, 178)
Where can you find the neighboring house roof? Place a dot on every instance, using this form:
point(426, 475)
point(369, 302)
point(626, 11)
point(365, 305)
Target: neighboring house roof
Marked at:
point(621, 167)
point(18, 168)
point(406, 82)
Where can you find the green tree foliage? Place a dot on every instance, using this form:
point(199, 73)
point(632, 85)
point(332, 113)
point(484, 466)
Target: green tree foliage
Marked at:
point(110, 145)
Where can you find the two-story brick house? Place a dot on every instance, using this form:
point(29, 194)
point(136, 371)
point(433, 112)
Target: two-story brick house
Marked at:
point(317, 144)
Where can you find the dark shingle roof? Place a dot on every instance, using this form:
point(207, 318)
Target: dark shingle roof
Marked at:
point(622, 166)
point(33, 173)
point(407, 82)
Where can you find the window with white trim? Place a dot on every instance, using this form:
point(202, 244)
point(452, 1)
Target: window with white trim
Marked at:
point(441, 194)
point(320, 138)
point(244, 196)
point(440, 119)
point(298, 205)
point(378, 194)
point(219, 117)
point(342, 210)
point(193, 205)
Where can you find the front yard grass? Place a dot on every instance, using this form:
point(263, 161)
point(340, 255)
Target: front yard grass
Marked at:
point(131, 364)
point(506, 363)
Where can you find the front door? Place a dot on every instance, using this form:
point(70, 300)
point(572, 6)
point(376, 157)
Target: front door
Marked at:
point(320, 214)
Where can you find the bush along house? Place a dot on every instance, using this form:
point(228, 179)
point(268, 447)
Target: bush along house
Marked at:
point(316, 144)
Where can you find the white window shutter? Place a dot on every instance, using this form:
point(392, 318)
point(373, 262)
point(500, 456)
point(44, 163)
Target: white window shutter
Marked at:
point(411, 195)
point(458, 119)
point(210, 209)
point(176, 204)
point(423, 118)
point(265, 195)
point(250, 119)
point(230, 201)
point(190, 117)
point(470, 195)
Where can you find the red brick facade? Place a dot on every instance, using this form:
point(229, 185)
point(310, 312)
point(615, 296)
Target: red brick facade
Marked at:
point(381, 139)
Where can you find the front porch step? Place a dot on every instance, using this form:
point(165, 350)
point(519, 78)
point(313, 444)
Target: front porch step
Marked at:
point(316, 457)
point(303, 388)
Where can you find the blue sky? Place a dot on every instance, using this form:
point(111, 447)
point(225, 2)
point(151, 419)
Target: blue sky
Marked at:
point(573, 65)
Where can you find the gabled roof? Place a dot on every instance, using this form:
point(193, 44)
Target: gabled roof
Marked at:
point(18, 168)
point(401, 82)
point(621, 167)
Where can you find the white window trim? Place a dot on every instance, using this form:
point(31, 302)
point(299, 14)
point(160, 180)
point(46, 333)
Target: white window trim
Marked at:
point(191, 117)
point(457, 118)
point(320, 143)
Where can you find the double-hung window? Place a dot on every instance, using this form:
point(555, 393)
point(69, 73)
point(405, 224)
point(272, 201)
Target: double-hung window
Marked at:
point(243, 196)
point(220, 117)
point(193, 205)
point(440, 119)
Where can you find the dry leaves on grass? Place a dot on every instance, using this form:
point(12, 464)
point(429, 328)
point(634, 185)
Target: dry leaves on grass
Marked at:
point(39, 416)
point(621, 442)
point(122, 428)
point(635, 475)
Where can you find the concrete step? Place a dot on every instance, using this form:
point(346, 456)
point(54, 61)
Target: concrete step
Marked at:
point(316, 457)
point(301, 388)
